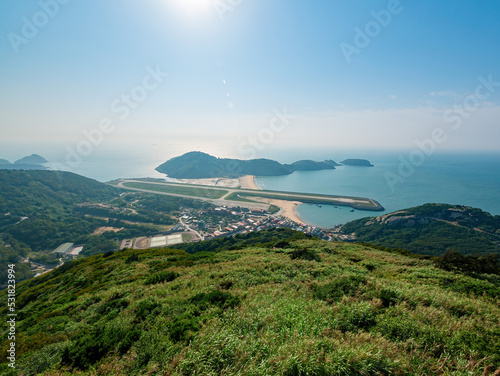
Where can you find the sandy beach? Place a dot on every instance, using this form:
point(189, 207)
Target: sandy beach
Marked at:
point(248, 182)
point(288, 208)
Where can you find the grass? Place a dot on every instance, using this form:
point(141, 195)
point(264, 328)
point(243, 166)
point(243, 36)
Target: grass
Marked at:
point(237, 196)
point(306, 308)
point(178, 189)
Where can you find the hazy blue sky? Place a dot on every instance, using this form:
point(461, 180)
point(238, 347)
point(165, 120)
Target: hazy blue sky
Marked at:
point(353, 73)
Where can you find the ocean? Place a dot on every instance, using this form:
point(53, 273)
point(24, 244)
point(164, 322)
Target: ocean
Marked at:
point(461, 179)
point(464, 179)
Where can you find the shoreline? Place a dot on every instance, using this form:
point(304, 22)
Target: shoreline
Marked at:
point(248, 182)
point(288, 209)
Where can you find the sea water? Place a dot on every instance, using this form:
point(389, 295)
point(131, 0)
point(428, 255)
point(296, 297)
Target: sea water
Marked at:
point(461, 179)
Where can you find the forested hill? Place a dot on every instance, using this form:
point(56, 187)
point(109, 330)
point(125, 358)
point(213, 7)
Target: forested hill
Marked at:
point(198, 165)
point(431, 229)
point(275, 303)
point(40, 210)
point(33, 193)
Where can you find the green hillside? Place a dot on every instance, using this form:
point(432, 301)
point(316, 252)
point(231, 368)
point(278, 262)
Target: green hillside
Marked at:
point(431, 229)
point(39, 210)
point(290, 305)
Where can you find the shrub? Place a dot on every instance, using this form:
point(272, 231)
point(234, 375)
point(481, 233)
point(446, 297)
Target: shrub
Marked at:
point(130, 338)
point(455, 261)
point(144, 309)
point(389, 297)
point(282, 244)
point(182, 327)
point(335, 290)
point(354, 317)
point(89, 348)
point(161, 277)
point(305, 254)
point(215, 298)
point(132, 258)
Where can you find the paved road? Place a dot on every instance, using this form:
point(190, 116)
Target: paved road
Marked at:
point(191, 229)
point(333, 200)
point(218, 202)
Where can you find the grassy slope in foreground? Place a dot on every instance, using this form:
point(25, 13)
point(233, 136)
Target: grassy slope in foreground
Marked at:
point(310, 308)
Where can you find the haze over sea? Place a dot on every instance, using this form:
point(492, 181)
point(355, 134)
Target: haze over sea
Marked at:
point(471, 179)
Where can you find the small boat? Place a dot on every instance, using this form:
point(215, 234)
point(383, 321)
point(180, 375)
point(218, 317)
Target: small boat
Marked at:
point(352, 211)
point(318, 205)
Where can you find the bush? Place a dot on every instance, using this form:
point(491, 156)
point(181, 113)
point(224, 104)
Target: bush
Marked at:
point(282, 244)
point(305, 254)
point(161, 277)
point(132, 258)
point(354, 317)
point(389, 297)
point(89, 348)
point(215, 298)
point(334, 291)
point(455, 261)
point(182, 327)
point(144, 309)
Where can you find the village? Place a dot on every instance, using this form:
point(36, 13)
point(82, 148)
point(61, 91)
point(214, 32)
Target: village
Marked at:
point(196, 225)
point(221, 221)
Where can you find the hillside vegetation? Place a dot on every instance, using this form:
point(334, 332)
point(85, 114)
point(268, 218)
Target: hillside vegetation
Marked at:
point(289, 305)
point(431, 229)
point(39, 210)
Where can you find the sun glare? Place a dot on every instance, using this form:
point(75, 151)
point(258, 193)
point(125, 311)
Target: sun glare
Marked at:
point(194, 5)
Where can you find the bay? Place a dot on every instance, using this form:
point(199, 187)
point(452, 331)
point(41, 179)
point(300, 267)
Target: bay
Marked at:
point(459, 179)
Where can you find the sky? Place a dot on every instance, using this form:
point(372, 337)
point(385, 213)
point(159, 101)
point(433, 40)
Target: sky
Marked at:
point(244, 78)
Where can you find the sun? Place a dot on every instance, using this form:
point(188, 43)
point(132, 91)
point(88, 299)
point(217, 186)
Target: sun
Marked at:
point(194, 5)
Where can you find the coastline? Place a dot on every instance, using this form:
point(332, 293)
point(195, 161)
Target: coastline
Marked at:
point(288, 209)
point(248, 182)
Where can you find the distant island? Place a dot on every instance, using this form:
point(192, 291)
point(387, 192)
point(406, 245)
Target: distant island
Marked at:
point(31, 162)
point(357, 162)
point(199, 165)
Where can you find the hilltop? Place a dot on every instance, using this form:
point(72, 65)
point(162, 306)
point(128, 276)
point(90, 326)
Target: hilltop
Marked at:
point(34, 159)
point(32, 162)
point(357, 162)
point(198, 165)
point(431, 229)
point(274, 303)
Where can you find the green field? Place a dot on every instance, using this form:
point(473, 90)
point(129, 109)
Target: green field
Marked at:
point(179, 189)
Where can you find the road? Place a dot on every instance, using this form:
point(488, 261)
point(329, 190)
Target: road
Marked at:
point(218, 202)
point(357, 202)
point(191, 229)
